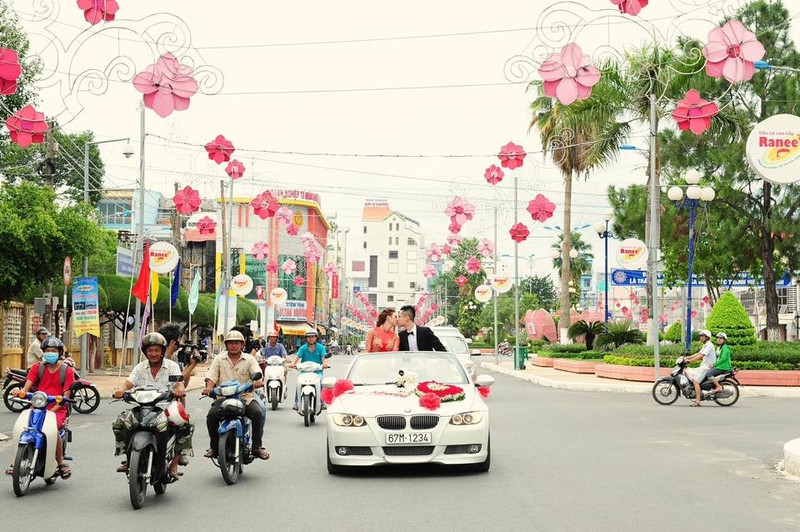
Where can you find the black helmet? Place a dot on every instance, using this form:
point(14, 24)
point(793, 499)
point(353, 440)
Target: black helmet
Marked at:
point(52, 341)
point(154, 339)
point(43, 330)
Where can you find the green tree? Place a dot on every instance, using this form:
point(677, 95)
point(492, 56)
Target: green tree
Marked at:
point(445, 284)
point(543, 289)
point(589, 331)
point(505, 311)
point(728, 316)
point(14, 37)
point(675, 333)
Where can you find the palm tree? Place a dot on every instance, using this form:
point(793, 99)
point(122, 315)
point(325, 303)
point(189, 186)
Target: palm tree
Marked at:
point(619, 332)
point(589, 331)
point(580, 265)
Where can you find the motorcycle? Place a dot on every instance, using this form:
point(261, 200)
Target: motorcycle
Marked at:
point(151, 446)
point(308, 384)
point(235, 429)
point(35, 432)
point(275, 381)
point(666, 390)
point(504, 349)
point(83, 392)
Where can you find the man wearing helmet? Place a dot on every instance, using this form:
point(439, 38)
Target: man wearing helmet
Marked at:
point(709, 356)
point(154, 371)
point(35, 351)
point(311, 351)
point(233, 364)
point(275, 348)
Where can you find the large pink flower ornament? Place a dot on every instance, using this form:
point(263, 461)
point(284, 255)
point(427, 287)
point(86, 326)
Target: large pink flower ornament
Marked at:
point(454, 227)
point(519, 233)
point(461, 281)
point(206, 225)
point(96, 11)
point(511, 156)
point(313, 254)
point(289, 266)
point(167, 85)
point(284, 215)
point(429, 272)
point(298, 280)
point(10, 71)
point(220, 150)
point(308, 238)
point(569, 75)
point(493, 174)
point(731, 52)
point(630, 7)
point(460, 211)
point(541, 208)
point(473, 265)
point(330, 269)
point(260, 250)
point(272, 267)
point(27, 126)
point(292, 230)
point(486, 247)
point(187, 200)
point(694, 113)
point(235, 169)
point(434, 253)
point(446, 249)
point(454, 239)
point(265, 205)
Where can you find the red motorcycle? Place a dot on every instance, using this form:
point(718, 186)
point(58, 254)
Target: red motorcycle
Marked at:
point(83, 392)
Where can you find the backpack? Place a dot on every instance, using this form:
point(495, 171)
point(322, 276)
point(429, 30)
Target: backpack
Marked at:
point(62, 374)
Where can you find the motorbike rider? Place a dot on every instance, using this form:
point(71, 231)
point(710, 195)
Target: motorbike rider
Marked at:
point(35, 351)
point(54, 381)
point(709, 356)
point(275, 348)
point(154, 371)
point(233, 364)
point(311, 351)
point(723, 360)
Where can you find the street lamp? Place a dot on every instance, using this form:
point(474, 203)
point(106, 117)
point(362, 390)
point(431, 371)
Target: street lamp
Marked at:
point(696, 196)
point(601, 227)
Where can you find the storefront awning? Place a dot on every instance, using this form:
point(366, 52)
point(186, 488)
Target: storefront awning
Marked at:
point(294, 328)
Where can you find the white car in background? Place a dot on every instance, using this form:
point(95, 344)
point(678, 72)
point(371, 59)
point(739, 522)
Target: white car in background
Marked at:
point(379, 422)
point(455, 343)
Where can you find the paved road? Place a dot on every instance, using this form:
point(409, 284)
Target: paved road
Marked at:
point(562, 461)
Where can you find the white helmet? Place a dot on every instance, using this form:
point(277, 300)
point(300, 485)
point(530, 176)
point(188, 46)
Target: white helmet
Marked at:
point(234, 336)
point(311, 332)
point(176, 414)
point(706, 333)
point(722, 335)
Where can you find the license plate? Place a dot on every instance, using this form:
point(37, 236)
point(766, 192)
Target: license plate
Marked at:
point(409, 438)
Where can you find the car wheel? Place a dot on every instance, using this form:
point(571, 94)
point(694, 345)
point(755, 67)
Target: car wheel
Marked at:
point(333, 469)
point(483, 467)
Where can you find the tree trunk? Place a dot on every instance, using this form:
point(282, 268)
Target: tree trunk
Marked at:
point(566, 245)
point(768, 260)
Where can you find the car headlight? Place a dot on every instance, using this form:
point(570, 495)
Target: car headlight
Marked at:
point(349, 420)
point(467, 418)
point(39, 400)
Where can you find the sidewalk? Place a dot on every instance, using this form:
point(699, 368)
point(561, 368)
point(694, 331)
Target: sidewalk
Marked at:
point(553, 378)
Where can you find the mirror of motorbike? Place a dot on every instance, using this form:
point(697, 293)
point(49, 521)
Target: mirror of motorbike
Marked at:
point(175, 378)
point(329, 354)
point(328, 382)
point(256, 376)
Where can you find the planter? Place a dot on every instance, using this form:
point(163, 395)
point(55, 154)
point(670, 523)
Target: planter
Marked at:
point(746, 377)
point(627, 373)
point(542, 362)
point(574, 365)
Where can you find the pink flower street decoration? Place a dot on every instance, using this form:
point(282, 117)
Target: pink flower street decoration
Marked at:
point(519, 233)
point(434, 253)
point(235, 169)
point(435, 307)
point(541, 208)
point(272, 267)
point(694, 113)
point(284, 215)
point(96, 11)
point(454, 227)
point(206, 225)
point(731, 52)
point(493, 174)
point(663, 318)
point(260, 250)
point(298, 280)
point(313, 254)
point(187, 200)
point(569, 75)
point(511, 156)
point(330, 269)
point(27, 126)
point(308, 238)
point(429, 272)
point(454, 239)
point(10, 71)
point(446, 249)
point(473, 265)
point(486, 247)
point(289, 266)
point(265, 205)
point(461, 281)
point(630, 7)
point(460, 211)
point(292, 230)
point(167, 85)
point(220, 150)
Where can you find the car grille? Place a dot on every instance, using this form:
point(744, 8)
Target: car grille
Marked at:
point(391, 422)
point(410, 450)
point(424, 422)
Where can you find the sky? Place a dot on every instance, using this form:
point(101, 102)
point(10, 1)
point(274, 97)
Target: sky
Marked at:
point(353, 100)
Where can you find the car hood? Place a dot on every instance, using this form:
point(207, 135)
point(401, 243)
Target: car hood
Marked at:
point(371, 401)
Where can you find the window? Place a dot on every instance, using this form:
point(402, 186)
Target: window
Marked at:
point(411, 268)
point(393, 268)
point(390, 299)
point(412, 242)
point(390, 284)
point(397, 227)
point(358, 266)
point(373, 271)
point(390, 241)
point(411, 255)
point(412, 285)
point(373, 299)
point(365, 245)
point(393, 255)
point(365, 229)
point(396, 241)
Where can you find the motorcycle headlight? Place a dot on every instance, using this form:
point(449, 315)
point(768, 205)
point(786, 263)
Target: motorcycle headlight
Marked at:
point(228, 391)
point(467, 418)
point(161, 422)
point(39, 400)
point(349, 420)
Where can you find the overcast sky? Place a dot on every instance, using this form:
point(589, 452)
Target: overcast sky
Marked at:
point(285, 87)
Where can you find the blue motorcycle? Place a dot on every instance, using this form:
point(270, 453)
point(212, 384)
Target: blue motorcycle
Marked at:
point(35, 431)
point(235, 430)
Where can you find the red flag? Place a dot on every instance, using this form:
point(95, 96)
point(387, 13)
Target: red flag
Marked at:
point(142, 287)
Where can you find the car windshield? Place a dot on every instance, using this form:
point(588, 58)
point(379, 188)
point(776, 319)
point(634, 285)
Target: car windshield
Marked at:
point(383, 368)
point(454, 344)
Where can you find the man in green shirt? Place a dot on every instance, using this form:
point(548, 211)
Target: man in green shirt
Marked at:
point(723, 360)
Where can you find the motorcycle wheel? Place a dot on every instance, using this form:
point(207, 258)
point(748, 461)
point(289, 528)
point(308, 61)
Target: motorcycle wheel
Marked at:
point(137, 485)
point(274, 398)
point(665, 392)
point(88, 399)
point(160, 487)
point(228, 461)
point(13, 405)
point(306, 407)
point(731, 387)
point(23, 463)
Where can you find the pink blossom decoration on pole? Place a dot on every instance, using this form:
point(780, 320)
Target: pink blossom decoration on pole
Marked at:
point(511, 156)
point(461, 281)
point(486, 247)
point(454, 239)
point(473, 265)
point(313, 254)
point(454, 227)
point(446, 249)
point(434, 253)
point(292, 230)
point(731, 52)
point(220, 149)
point(96, 11)
point(429, 272)
point(541, 208)
point(10, 71)
point(569, 75)
point(27, 126)
point(518, 232)
point(272, 267)
point(206, 225)
point(330, 269)
point(460, 211)
point(289, 266)
point(298, 280)
point(167, 85)
point(493, 174)
point(630, 7)
point(260, 250)
point(694, 113)
point(187, 200)
point(265, 205)
point(284, 215)
point(235, 169)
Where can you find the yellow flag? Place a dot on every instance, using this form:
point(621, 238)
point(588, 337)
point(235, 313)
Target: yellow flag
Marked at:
point(153, 286)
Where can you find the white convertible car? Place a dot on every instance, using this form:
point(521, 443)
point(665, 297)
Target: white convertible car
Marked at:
point(381, 420)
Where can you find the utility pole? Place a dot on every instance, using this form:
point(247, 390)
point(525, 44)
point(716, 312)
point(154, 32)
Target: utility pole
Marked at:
point(49, 173)
point(226, 257)
point(139, 249)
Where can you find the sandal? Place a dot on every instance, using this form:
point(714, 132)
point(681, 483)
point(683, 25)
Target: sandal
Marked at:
point(64, 471)
point(262, 454)
point(695, 403)
point(10, 470)
point(210, 453)
point(123, 467)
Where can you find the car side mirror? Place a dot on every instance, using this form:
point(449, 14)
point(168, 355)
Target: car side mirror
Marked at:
point(484, 380)
point(176, 378)
point(256, 376)
point(329, 382)
point(468, 340)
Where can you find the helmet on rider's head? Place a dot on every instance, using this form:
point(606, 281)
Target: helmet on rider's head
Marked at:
point(42, 330)
point(722, 335)
point(52, 342)
point(154, 339)
point(272, 333)
point(706, 333)
point(311, 332)
point(234, 336)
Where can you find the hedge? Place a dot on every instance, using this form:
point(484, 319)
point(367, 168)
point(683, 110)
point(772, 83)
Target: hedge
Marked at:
point(564, 348)
point(670, 362)
point(583, 355)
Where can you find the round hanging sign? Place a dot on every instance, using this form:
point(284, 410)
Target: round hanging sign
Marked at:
point(242, 284)
point(163, 257)
point(773, 149)
point(483, 293)
point(501, 283)
point(632, 254)
point(278, 295)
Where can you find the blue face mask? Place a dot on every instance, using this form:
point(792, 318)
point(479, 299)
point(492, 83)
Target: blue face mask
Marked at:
point(50, 358)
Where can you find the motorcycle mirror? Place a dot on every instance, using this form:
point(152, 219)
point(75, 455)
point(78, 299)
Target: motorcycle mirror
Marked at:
point(175, 378)
point(256, 376)
point(328, 354)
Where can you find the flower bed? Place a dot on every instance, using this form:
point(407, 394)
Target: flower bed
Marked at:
point(746, 377)
point(574, 365)
point(542, 362)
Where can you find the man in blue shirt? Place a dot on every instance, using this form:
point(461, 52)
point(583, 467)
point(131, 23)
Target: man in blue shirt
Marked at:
point(311, 351)
point(273, 347)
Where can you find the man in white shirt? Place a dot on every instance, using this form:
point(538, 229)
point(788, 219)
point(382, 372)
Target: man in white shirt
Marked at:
point(709, 356)
point(35, 353)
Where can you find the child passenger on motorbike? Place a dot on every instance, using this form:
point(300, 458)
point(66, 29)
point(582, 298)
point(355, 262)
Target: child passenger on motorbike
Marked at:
point(709, 356)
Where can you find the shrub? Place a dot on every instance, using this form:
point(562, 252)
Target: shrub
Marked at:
point(670, 362)
point(589, 331)
point(674, 333)
point(619, 332)
point(536, 344)
point(729, 316)
point(567, 348)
